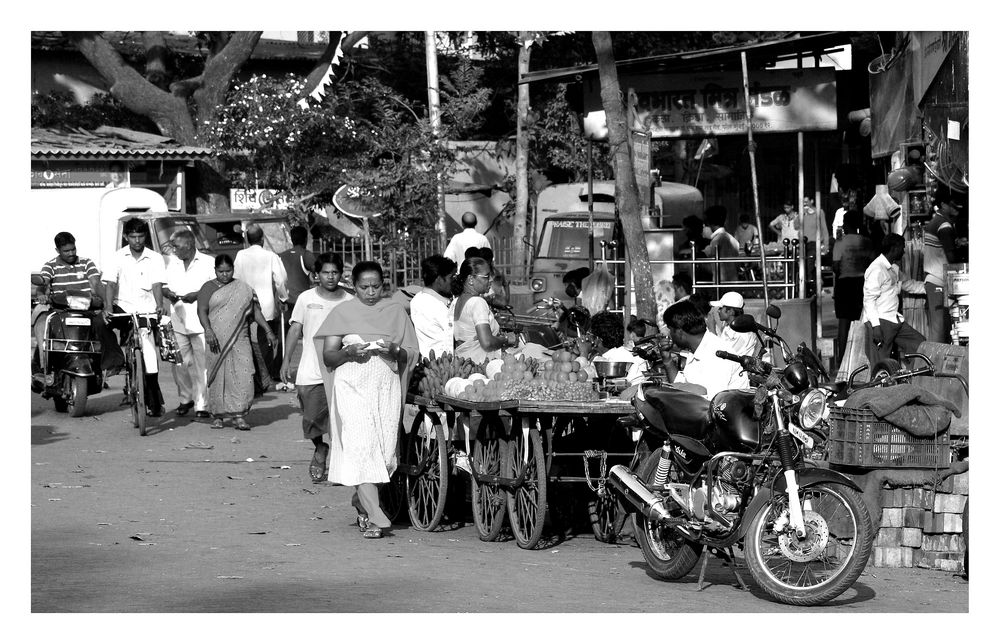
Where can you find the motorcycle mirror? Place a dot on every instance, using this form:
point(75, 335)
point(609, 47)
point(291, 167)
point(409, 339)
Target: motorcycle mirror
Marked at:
point(744, 324)
point(773, 311)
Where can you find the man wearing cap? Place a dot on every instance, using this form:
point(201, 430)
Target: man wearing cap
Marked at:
point(466, 239)
point(728, 307)
point(939, 250)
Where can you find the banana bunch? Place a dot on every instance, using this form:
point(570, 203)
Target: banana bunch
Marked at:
point(433, 372)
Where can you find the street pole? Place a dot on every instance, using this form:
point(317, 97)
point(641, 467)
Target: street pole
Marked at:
point(590, 205)
point(434, 112)
point(801, 201)
point(753, 174)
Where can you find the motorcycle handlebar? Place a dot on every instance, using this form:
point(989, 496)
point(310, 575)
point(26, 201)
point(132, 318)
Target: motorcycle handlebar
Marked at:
point(750, 364)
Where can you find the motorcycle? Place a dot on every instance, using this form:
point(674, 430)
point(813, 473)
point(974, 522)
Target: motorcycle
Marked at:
point(735, 471)
point(70, 355)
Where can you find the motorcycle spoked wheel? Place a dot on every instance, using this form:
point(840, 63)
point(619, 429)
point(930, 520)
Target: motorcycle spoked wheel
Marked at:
point(831, 557)
point(668, 553)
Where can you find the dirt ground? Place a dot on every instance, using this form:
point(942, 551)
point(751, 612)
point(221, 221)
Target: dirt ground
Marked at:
point(195, 520)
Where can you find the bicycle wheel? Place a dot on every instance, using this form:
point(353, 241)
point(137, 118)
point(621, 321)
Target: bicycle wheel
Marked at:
point(137, 391)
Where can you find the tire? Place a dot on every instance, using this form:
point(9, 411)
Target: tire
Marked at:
point(78, 396)
point(60, 403)
point(488, 504)
point(137, 391)
point(426, 492)
point(965, 538)
point(837, 510)
point(526, 504)
point(666, 551)
point(607, 516)
point(884, 367)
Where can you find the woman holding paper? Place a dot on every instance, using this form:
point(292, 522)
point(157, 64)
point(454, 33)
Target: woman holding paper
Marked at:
point(370, 346)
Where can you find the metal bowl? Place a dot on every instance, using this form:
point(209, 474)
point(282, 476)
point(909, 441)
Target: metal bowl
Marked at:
point(609, 369)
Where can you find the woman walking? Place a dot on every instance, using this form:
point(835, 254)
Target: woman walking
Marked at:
point(370, 345)
point(225, 306)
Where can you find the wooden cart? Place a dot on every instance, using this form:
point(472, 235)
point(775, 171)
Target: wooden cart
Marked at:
point(512, 447)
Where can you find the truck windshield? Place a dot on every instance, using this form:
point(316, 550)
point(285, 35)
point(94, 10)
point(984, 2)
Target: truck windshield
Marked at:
point(567, 237)
point(164, 227)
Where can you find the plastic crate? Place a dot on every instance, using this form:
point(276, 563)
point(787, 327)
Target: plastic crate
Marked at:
point(859, 438)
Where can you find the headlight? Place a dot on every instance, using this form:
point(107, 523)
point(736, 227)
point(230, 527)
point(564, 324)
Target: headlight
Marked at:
point(538, 284)
point(811, 408)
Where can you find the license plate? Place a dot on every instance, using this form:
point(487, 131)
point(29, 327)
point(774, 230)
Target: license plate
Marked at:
point(77, 321)
point(803, 437)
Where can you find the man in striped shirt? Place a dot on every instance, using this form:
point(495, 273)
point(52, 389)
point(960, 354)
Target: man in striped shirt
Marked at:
point(939, 249)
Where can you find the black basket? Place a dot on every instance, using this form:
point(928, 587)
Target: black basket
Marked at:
point(859, 438)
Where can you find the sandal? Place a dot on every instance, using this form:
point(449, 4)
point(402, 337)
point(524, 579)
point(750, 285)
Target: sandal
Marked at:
point(373, 532)
point(363, 524)
point(241, 425)
point(218, 423)
point(317, 473)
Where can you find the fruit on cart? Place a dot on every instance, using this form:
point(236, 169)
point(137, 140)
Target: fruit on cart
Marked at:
point(431, 373)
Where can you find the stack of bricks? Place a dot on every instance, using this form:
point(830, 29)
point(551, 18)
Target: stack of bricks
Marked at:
point(922, 526)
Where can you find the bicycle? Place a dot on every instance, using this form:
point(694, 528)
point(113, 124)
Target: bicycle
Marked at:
point(135, 370)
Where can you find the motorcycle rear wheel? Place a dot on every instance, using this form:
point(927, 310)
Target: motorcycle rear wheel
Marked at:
point(78, 396)
point(823, 565)
point(666, 551)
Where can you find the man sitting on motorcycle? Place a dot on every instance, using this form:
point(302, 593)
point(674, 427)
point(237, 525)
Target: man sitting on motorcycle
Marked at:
point(68, 272)
point(687, 330)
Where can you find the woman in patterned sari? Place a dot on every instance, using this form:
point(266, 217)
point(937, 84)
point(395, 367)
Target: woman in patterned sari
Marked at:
point(371, 347)
point(225, 306)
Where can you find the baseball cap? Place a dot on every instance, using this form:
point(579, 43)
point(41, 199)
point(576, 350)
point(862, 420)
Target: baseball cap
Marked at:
point(730, 298)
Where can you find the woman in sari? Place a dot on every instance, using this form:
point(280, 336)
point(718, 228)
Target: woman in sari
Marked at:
point(225, 306)
point(477, 333)
point(370, 346)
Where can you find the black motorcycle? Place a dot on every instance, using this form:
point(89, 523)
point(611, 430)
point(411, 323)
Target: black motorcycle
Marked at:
point(735, 471)
point(70, 354)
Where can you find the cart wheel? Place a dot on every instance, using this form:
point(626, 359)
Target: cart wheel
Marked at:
point(427, 490)
point(607, 517)
point(526, 503)
point(488, 507)
point(392, 496)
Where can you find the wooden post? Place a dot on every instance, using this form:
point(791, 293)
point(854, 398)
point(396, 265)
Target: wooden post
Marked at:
point(434, 112)
point(820, 226)
point(590, 205)
point(753, 174)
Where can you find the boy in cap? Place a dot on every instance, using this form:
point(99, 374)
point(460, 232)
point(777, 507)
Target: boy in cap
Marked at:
point(728, 307)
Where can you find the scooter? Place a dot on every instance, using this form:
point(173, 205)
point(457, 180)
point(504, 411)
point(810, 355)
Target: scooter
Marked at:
point(70, 354)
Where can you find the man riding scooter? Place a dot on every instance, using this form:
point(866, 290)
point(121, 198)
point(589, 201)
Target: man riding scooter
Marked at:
point(70, 283)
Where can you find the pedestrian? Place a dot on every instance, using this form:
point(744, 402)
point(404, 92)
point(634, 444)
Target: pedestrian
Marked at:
point(728, 308)
point(939, 250)
point(811, 217)
point(134, 284)
point(476, 330)
point(186, 272)
point(225, 307)
point(683, 287)
point(722, 243)
point(466, 239)
point(370, 345)
point(264, 272)
point(885, 324)
point(429, 307)
point(787, 224)
point(311, 308)
point(852, 254)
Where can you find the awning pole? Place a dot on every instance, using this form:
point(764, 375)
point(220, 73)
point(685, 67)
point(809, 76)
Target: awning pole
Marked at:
point(820, 226)
point(753, 175)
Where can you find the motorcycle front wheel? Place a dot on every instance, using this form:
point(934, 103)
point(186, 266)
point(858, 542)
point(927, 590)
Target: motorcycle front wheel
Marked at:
point(78, 396)
point(667, 552)
point(822, 565)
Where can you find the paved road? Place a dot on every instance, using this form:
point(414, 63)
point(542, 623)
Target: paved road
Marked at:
point(121, 523)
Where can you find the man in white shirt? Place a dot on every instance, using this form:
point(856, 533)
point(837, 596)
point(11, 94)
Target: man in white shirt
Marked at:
point(609, 335)
point(429, 307)
point(881, 315)
point(466, 239)
point(687, 329)
point(311, 308)
point(186, 272)
point(265, 273)
point(728, 307)
point(134, 285)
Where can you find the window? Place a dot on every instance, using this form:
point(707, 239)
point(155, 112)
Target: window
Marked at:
point(567, 238)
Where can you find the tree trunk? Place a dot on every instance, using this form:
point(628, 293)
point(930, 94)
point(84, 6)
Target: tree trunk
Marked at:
point(520, 221)
point(625, 186)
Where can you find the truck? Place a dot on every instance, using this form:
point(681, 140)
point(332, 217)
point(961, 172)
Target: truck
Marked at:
point(562, 224)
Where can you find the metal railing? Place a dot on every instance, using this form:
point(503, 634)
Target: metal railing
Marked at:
point(399, 258)
point(782, 273)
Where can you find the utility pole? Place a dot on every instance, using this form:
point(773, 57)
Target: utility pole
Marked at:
point(434, 112)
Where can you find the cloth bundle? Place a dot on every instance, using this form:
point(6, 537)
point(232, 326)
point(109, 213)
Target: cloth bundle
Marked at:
point(882, 207)
point(909, 407)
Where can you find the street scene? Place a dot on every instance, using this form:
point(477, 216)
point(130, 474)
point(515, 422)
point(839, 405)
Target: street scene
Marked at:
point(500, 322)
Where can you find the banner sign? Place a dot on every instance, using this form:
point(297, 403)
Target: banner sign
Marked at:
point(712, 104)
point(249, 199)
point(640, 163)
point(70, 175)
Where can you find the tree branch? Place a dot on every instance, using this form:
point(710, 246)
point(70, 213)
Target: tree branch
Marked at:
point(219, 71)
point(156, 58)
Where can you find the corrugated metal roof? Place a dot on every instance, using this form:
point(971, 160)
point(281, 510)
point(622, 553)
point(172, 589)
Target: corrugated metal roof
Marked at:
point(110, 143)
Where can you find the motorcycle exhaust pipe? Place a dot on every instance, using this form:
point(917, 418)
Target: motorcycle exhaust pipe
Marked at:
point(635, 492)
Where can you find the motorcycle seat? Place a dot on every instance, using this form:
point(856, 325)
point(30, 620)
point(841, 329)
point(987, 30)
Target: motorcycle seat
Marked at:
point(683, 412)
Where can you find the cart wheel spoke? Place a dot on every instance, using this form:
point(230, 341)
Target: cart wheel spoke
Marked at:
point(527, 502)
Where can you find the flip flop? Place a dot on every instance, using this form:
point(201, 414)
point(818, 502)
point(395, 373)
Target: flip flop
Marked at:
point(373, 532)
point(241, 425)
point(317, 473)
point(218, 423)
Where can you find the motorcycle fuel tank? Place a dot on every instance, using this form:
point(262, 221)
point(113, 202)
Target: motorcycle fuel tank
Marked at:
point(735, 427)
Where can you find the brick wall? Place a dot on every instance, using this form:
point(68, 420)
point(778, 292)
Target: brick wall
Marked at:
point(922, 526)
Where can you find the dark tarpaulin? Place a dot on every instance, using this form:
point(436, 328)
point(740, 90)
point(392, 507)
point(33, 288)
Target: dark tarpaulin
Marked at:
point(894, 114)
